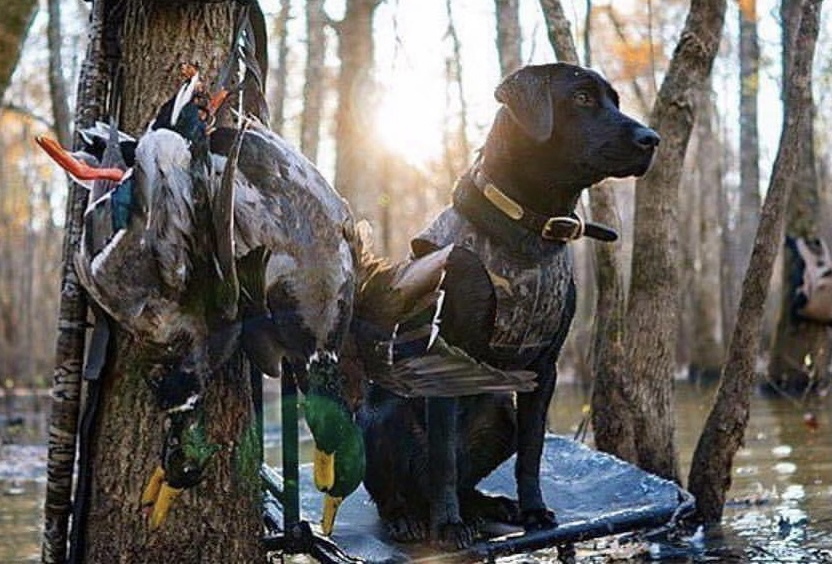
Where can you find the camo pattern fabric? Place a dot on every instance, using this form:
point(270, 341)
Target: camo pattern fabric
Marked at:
point(531, 291)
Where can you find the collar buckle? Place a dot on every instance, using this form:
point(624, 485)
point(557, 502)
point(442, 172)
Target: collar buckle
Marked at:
point(552, 228)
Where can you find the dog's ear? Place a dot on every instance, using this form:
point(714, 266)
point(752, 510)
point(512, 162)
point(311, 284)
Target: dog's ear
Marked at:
point(527, 95)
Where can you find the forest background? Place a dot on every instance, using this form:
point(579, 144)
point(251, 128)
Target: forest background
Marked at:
point(392, 100)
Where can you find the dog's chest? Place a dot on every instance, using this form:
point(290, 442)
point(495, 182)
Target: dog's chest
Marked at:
point(531, 292)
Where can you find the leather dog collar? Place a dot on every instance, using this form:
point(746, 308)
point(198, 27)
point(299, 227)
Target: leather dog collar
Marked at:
point(558, 228)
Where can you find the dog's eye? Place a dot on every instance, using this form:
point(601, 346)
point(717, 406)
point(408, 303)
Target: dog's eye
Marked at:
point(584, 98)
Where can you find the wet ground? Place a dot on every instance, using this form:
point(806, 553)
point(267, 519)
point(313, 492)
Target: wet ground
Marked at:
point(780, 507)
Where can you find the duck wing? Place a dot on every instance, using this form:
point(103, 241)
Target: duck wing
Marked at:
point(423, 305)
point(286, 210)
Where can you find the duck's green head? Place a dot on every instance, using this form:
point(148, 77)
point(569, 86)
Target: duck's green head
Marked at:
point(339, 445)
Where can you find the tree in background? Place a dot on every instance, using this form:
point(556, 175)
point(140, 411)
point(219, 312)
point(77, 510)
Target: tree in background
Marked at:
point(738, 242)
point(356, 161)
point(800, 353)
point(710, 474)
point(280, 31)
point(15, 18)
point(509, 36)
point(314, 83)
point(700, 341)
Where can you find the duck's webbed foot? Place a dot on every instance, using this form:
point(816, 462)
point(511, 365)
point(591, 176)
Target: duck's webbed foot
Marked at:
point(157, 499)
point(185, 455)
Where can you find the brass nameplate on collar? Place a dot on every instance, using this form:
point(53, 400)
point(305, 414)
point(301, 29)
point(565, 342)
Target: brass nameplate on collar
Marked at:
point(503, 202)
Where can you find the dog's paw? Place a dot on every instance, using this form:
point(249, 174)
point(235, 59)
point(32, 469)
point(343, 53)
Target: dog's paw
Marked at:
point(538, 519)
point(457, 535)
point(407, 529)
point(478, 506)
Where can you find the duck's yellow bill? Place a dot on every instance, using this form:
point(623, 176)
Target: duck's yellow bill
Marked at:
point(324, 470)
point(331, 505)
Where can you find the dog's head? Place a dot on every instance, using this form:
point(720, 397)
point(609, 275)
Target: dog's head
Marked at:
point(560, 125)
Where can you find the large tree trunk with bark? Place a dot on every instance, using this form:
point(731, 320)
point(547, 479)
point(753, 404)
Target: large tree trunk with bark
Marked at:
point(219, 520)
point(800, 354)
point(15, 18)
point(612, 418)
point(710, 475)
point(653, 305)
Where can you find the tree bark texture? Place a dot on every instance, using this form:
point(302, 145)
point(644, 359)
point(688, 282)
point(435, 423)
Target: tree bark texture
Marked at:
point(710, 475)
point(612, 416)
point(559, 31)
point(314, 79)
point(72, 320)
point(218, 520)
point(356, 163)
point(509, 36)
point(800, 353)
point(653, 304)
point(15, 18)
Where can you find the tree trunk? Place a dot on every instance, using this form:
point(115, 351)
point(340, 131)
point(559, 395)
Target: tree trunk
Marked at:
point(356, 174)
point(800, 354)
point(707, 352)
point(509, 36)
point(612, 418)
point(57, 83)
point(742, 240)
point(218, 520)
point(612, 414)
point(281, 72)
point(653, 305)
point(15, 18)
point(313, 86)
point(456, 147)
point(710, 475)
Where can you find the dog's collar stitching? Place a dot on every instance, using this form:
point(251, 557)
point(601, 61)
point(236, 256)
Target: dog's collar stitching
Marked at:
point(558, 228)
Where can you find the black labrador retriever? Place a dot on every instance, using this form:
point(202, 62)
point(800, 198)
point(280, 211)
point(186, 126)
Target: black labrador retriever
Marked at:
point(559, 131)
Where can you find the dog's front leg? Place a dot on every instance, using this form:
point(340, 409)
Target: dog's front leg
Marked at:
point(531, 430)
point(446, 524)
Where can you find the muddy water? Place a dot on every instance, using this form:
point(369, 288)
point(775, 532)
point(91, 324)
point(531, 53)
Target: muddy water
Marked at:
point(780, 507)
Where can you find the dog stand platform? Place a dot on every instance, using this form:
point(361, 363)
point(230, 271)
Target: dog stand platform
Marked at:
point(593, 494)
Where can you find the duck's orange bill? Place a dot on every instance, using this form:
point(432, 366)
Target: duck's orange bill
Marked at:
point(78, 169)
point(217, 100)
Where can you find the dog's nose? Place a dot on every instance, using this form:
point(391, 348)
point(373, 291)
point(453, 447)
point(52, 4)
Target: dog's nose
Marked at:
point(646, 138)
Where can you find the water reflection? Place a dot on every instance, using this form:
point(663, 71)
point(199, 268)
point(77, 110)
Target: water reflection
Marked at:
point(779, 508)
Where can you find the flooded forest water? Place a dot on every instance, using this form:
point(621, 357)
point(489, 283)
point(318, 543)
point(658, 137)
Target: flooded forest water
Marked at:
point(779, 509)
